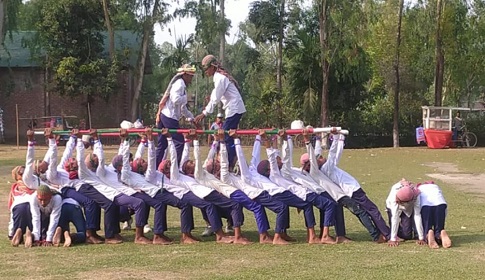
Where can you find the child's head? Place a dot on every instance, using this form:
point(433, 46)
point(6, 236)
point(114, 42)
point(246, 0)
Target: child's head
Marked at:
point(264, 168)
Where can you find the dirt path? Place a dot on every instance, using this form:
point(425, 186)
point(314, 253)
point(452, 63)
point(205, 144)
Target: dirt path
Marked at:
point(466, 182)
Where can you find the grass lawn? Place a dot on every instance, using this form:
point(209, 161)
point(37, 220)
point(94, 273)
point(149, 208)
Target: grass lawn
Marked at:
point(376, 169)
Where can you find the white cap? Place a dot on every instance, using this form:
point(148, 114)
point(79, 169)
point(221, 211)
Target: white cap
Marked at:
point(220, 115)
point(86, 138)
point(126, 125)
point(297, 124)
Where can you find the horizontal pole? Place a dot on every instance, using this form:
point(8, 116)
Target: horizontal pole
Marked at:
point(136, 131)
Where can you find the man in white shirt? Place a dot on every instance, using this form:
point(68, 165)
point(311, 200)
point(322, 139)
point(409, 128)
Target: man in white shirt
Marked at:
point(172, 108)
point(402, 203)
point(98, 177)
point(347, 183)
point(323, 203)
point(141, 177)
point(188, 190)
point(18, 205)
point(227, 91)
point(433, 213)
point(247, 196)
point(224, 196)
point(304, 178)
point(309, 164)
point(261, 171)
point(45, 209)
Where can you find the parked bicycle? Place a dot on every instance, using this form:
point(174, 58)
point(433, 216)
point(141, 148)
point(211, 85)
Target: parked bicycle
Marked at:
point(465, 138)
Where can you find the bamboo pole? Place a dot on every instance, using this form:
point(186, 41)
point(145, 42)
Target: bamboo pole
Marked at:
point(17, 121)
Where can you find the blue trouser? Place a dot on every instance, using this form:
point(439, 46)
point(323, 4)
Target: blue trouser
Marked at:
point(212, 215)
point(365, 203)
point(138, 205)
point(407, 228)
point(361, 214)
point(292, 200)
point(22, 217)
point(177, 138)
point(279, 208)
point(91, 209)
point(71, 213)
point(253, 206)
point(339, 217)
point(159, 202)
point(125, 214)
point(229, 207)
point(231, 122)
point(324, 204)
point(433, 218)
point(111, 209)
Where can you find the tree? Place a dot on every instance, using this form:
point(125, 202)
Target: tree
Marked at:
point(440, 57)
point(395, 128)
point(70, 34)
point(8, 16)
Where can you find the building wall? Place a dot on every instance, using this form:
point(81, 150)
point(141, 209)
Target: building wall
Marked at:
point(27, 91)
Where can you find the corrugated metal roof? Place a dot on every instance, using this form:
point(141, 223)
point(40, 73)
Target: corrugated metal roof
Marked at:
point(17, 53)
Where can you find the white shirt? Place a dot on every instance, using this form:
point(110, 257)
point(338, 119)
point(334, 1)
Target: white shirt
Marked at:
point(176, 105)
point(295, 174)
point(330, 187)
point(277, 178)
point(53, 210)
point(408, 208)
point(158, 178)
point(431, 195)
point(176, 178)
point(97, 180)
point(231, 178)
point(226, 92)
point(136, 180)
point(259, 180)
point(205, 178)
point(346, 182)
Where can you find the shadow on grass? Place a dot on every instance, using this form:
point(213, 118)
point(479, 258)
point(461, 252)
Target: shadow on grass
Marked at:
point(467, 239)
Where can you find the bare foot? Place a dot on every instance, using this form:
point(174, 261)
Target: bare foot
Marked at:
point(224, 239)
point(343, 239)
point(112, 241)
point(286, 237)
point(314, 240)
point(381, 239)
point(94, 240)
point(242, 240)
point(17, 237)
point(28, 238)
point(67, 239)
point(159, 239)
point(446, 241)
point(188, 239)
point(265, 239)
point(118, 237)
point(278, 240)
point(56, 240)
point(327, 240)
point(166, 238)
point(142, 240)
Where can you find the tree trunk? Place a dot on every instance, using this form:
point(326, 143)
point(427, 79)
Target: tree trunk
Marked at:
point(395, 127)
point(222, 47)
point(147, 31)
point(3, 13)
point(109, 27)
point(279, 62)
point(440, 58)
point(323, 32)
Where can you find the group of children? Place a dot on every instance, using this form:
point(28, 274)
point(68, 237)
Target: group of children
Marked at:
point(49, 194)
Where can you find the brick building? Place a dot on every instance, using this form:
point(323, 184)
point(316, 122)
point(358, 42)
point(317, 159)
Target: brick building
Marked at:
point(22, 81)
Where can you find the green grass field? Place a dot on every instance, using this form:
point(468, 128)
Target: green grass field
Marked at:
point(376, 169)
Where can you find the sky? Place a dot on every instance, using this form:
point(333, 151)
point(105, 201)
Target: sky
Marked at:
point(236, 10)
